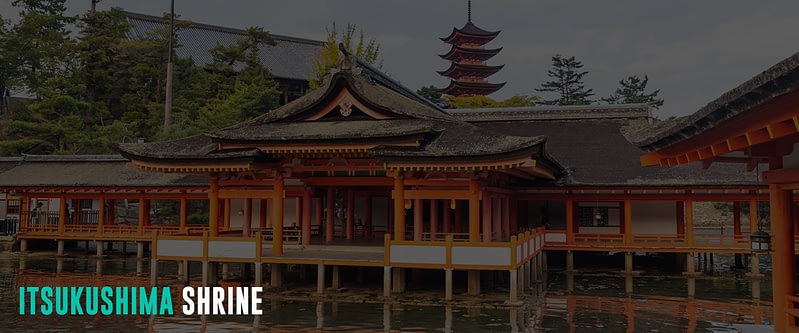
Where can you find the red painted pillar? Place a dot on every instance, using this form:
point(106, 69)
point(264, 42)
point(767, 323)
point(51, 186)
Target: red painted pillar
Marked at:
point(783, 267)
point(330, 214)
point(350, 208)
point(225, 216)
point(318, 212)
point(513, 215)
point(367, 217)
point(246, 227)
point(306, 217)
point(262, 204)
point(736, 219)
point(447, 209)
point(486, 217)
point(458, 217)
point(111, 212)
point(505, 203)
point(433, 218)
point(496, 219)
point(418, 219)
point(680, 218)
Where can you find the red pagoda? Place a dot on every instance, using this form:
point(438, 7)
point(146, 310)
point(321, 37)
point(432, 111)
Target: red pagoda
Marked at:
point(469, 69)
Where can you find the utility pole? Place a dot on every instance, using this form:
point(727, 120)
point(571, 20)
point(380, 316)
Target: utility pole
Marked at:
point(169, 68)
point(94, 5)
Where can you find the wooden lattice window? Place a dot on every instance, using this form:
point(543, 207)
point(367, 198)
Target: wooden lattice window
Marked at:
point(12, 207)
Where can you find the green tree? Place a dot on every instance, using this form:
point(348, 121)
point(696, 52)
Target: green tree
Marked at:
point(632, 90)
point(479, 101)
point(228, 95)
point(103, 88)
point(519, 100)
point(366, 50)
point(38, 47)
point(567, 83)
point(6, 72)
point(432, 94)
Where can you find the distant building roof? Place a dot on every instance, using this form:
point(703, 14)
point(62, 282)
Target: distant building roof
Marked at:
point(290, 58)
point(588, 141)
point(85, 171)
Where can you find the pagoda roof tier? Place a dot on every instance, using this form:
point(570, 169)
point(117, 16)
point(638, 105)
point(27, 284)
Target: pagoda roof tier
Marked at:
point(461, 88)
point(457, 70)
point(458, 53)
point(357, 111)
point(470, 32)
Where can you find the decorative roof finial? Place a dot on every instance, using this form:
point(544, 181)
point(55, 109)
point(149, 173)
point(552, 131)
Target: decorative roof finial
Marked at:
point(469, 12)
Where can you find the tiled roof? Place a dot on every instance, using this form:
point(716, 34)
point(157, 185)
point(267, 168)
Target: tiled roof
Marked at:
point(86, 171)
point(589, 143)
point(290, 58)
point(549, 113)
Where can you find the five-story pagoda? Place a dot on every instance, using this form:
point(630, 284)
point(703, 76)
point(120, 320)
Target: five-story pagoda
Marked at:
point(468, 56)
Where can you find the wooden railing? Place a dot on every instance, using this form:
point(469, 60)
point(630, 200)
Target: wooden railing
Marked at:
point(792, 313)
point(9, 226)
point(464, 255)
point(108, 231)
point(558, 239)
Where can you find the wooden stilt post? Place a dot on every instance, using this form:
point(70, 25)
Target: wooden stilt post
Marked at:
point(386, 281)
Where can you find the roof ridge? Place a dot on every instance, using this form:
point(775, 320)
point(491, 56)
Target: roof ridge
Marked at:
point(212, 27)
point(394, 85)
point(73, 158)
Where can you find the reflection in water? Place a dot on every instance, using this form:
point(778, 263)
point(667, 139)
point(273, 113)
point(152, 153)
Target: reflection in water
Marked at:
point(574, 303)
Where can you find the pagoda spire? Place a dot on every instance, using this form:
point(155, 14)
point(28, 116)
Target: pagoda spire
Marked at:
point(469, 12)
point(468, 69)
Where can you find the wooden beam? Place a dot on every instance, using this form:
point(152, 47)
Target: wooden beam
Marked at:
point(437, 194)
point(347, 181)
point(790, 175)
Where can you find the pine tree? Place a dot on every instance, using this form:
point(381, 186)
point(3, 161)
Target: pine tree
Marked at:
point(567, 83)
point(432, 94)
point(633, 91)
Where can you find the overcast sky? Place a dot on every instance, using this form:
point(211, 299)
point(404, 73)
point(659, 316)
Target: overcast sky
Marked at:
point(693, 51)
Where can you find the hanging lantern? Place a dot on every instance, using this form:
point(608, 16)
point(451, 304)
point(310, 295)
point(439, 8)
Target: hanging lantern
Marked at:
point(452, 204)
point(408, 203)
point(761, 241)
